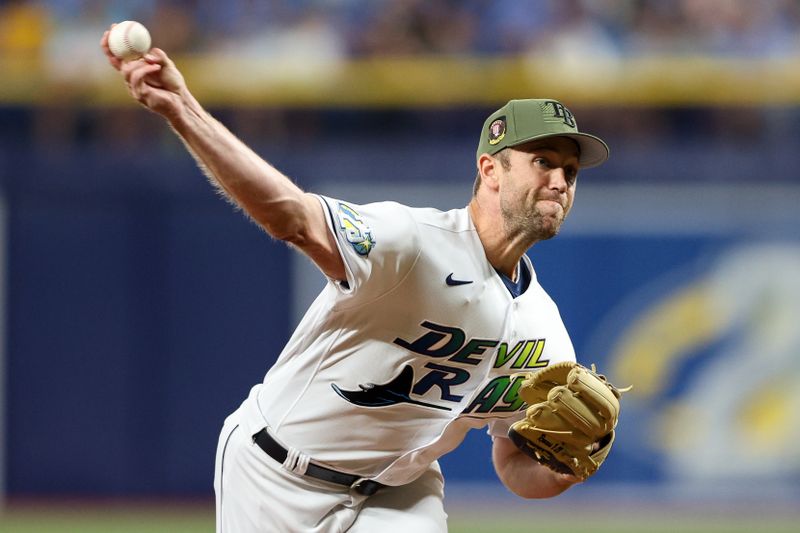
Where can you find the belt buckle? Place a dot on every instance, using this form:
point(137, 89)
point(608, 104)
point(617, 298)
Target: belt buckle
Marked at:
point(365, 487)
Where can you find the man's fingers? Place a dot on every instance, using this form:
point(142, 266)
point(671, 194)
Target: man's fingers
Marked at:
point(159, 57)
point(142, 70)
point(104, 38)
point(156, 55)
point(136, 79)
point(115, 61)
point(131, 66)
point(569, 478)
point(127, 68)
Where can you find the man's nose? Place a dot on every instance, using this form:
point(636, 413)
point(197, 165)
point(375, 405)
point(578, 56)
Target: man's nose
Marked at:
point(558, 179)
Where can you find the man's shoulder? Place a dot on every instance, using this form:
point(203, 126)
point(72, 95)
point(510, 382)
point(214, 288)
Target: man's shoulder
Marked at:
point(400, 215)
point(454, 220)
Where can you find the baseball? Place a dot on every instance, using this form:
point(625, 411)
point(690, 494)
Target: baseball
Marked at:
point(129, 40)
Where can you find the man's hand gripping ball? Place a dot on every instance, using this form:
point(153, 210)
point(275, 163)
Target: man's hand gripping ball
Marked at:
point(569, 424)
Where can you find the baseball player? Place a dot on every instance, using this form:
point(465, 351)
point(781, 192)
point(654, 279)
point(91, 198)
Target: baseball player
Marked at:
point(421, 333)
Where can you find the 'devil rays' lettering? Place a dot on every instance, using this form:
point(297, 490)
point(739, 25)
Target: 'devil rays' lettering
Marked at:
point(443, 377)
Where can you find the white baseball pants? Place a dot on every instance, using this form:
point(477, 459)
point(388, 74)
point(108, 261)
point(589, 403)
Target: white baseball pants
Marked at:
point(255, 494)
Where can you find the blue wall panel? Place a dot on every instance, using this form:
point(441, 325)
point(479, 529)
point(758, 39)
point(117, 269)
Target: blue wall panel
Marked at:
point(134, 330)
point(141, 309)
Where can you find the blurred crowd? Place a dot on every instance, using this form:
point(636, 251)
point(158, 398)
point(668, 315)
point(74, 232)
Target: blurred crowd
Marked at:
point(359, 28)
point(60, 38)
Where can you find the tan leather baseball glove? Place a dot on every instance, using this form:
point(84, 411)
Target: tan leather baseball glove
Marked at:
point(569, 424)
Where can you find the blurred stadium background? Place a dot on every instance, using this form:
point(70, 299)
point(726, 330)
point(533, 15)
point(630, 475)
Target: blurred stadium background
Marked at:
point(138, 308)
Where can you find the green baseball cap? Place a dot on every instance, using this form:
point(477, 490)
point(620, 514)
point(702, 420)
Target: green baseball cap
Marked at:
point(521, 121)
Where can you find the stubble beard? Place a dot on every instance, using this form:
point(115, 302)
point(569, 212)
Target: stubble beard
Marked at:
point(533, 226)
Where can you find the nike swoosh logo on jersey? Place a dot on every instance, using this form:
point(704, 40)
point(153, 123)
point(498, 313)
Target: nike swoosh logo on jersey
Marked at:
point(454, 282)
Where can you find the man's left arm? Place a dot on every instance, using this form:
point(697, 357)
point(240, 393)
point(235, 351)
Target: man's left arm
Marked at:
point(525, 477)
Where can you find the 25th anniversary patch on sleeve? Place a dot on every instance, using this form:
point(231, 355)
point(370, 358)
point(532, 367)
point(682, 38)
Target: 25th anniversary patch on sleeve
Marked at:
point(355, 229)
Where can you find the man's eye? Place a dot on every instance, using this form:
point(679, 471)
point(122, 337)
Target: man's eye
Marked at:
point(540, 161)
point(571, 174)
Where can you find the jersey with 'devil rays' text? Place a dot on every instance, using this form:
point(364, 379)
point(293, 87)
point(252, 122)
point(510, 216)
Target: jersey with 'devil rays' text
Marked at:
point(388, 371)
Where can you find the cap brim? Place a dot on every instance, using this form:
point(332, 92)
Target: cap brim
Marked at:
point(594, 151)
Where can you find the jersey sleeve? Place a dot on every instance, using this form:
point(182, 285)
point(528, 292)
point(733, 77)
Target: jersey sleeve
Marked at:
point(378, 242)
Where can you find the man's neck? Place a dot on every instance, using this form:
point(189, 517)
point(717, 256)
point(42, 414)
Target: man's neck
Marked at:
point(503, 253)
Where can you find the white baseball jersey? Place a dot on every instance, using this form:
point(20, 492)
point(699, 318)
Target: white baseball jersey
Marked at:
point(390, 369)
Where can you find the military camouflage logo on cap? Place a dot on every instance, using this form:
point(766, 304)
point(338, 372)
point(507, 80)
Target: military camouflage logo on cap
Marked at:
point(497, 130)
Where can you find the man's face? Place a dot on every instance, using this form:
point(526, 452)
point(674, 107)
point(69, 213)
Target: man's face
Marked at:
point(538, 187)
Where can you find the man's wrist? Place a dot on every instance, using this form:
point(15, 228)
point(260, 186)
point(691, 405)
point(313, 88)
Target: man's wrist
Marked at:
point(185, 112)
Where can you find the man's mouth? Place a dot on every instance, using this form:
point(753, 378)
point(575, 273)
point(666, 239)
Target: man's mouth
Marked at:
point(551, 201)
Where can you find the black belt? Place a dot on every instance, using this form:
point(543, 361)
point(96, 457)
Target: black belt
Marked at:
point(367, 487)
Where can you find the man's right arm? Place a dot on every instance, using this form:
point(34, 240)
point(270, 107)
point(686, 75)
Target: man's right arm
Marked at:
point(268, 196)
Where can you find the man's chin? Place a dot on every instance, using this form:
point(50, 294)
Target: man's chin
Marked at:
point(545, 234)
point(540, 228)
point(549, 227)
point(542, 232)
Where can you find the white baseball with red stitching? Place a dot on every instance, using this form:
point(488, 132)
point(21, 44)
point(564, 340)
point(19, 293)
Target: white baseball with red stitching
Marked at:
point(129, 39)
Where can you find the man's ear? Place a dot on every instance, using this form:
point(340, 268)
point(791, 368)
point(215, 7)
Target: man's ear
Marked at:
point(489, 167)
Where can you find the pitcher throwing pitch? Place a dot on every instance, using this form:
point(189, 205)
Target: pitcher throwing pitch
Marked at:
point(431, 324)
